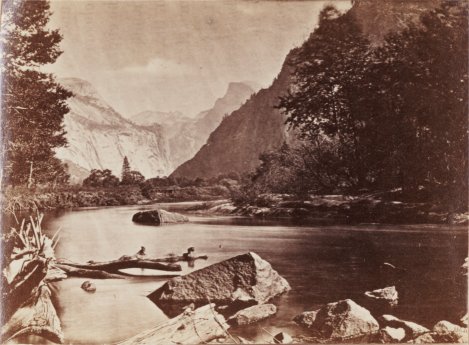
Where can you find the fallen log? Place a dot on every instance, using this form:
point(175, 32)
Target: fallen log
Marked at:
point(36, 317)
point(123, 263)
point(191, 327)
point(84, 273)
point(111, 269)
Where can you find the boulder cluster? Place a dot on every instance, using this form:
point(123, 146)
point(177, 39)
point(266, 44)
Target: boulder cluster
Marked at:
point(242, 290)
point(345, 320)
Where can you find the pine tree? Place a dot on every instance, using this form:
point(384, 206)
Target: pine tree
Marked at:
point(33, 103)
point(126, 175)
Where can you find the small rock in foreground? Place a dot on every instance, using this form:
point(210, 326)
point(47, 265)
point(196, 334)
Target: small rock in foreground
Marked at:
point(283, 338)
point(391, 335)
point(158, 217)
point(343, 320)
point(412, 329)
point(446, 332)
point(88, 286)
point(424, 339)
point(253, 314)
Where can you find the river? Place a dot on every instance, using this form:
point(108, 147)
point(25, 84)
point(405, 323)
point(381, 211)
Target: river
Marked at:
point(322, 264)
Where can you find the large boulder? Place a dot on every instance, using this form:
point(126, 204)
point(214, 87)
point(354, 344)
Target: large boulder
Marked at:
point(158, 217)
point(252, 314)
point(446, 332)
point(343, 320)
point(412, 329)
point(242, 280)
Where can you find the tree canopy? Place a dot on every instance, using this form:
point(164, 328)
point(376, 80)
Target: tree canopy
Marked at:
point(397, 112)
point(33, 103)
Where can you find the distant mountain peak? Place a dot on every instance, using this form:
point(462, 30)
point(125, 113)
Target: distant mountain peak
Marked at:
point(79, 87)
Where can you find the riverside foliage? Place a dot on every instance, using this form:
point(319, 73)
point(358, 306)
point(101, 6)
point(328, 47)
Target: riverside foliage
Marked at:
point(377, 116)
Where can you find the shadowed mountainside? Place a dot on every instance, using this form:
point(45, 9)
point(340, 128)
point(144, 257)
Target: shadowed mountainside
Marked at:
point(258, 126)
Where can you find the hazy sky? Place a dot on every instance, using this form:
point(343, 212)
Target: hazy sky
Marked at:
point(177, 55)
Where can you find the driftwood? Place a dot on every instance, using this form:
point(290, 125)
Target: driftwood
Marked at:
point(111, 269)
point(37, 316)
point(84, 273)
point(191, 327)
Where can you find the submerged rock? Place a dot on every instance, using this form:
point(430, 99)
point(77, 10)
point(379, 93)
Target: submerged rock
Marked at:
point(412, 329)
point(245, 280)
point(387, 295)
point(391, 335)
point(158, 217)
point(88, 286)
point(343, 319)
point(283, 338)
point(253, 314)
point(446, 332)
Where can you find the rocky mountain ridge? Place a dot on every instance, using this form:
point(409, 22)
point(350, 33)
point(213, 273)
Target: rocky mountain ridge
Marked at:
point(99, 137)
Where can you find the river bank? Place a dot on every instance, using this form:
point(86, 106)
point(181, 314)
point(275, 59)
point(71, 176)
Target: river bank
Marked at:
point(338, 209)
point(23, 199)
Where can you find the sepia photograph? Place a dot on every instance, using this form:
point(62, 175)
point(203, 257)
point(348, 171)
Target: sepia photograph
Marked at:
point(234, 172)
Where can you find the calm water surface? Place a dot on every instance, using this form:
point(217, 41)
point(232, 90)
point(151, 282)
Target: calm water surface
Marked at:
point(322, 264)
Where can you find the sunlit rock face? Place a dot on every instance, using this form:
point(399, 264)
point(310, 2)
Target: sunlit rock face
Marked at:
point(99, 137)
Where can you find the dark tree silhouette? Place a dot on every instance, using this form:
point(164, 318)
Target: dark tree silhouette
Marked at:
point(33, 103)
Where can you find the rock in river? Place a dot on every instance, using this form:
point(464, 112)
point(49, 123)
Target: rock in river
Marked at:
point(387, 295)
point(283, 338)
point(253, 314)
point(88, 286)
point(158, 217)
point(343, 319)
point(246, 279)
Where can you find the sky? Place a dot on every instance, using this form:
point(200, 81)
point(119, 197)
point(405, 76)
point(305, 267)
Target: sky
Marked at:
point(177, 55)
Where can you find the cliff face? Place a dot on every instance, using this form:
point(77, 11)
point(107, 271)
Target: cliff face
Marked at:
point(258, 126)
point(99, 137)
